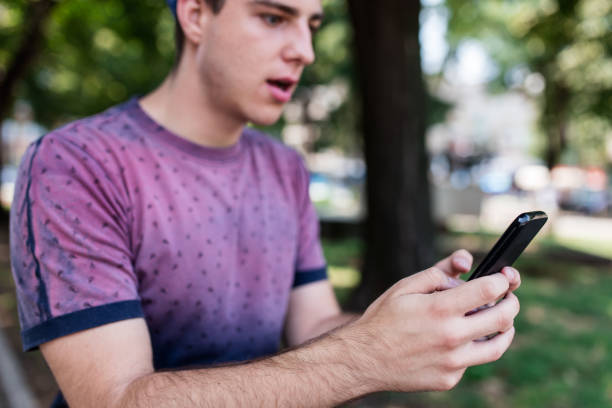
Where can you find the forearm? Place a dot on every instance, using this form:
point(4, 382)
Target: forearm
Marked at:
point(332, 323)
point(320, 373)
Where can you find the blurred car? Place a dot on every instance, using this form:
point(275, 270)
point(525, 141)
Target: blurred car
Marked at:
point(581, 189)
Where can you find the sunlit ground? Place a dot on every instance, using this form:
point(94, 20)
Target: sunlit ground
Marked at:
point(562, 353)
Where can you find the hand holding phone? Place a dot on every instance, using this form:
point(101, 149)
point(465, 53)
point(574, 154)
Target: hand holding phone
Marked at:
point(508, 248)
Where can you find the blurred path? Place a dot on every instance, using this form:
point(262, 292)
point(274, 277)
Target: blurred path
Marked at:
point(14, 387)
point(584, 227)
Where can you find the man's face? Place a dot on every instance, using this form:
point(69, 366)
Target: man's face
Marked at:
point(253, 53)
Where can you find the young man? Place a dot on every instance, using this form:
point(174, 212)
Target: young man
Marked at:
point(163, 235)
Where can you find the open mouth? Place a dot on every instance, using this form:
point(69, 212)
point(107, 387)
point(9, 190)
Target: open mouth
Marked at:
point(281, 88)
point(280, 83)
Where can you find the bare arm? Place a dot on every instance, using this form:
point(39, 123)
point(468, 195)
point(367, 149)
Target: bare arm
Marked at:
point(313, 310)
point(413, 337)
point(331, 323)
point(111, 366)
point(317, 374)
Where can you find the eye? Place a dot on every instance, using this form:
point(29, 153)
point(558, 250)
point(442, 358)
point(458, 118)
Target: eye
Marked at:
point(272, 19)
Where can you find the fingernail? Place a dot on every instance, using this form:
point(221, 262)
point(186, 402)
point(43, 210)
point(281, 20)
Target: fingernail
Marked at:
point(511, 273)
point(462, 262)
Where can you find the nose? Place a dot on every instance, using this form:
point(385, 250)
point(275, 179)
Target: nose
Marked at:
point(299, 47)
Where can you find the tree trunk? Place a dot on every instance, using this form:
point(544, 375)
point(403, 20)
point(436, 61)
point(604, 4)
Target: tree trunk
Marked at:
point(556, 105)
point(399, 231)
point(36, 15)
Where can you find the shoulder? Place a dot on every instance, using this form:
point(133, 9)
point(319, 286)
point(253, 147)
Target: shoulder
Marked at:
point(86, 139)
point(80, 154)
point(103, 127)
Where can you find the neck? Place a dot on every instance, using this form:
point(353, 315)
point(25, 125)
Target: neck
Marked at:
point(182, 105)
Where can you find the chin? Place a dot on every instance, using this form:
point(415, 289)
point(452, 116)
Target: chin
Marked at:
point(267, 116)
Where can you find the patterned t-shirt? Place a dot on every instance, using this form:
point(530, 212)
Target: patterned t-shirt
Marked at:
point(115, 217)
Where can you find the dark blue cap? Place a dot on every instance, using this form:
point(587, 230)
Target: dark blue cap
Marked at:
point(172, 5)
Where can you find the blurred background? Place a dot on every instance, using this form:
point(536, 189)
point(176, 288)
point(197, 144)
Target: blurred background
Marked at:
point(426, 128)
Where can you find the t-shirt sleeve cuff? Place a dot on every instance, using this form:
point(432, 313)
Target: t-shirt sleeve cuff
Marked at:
point(80, 320)
point(304, 276)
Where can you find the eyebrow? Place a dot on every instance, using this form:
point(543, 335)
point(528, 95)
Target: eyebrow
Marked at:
point(292, 11)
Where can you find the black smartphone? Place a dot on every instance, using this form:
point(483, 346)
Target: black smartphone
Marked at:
point(511, 244)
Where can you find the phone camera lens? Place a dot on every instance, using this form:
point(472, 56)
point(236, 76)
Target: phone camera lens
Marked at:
point(523, 219)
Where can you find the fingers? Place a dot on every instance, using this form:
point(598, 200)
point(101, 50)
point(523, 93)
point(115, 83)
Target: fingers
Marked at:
point(513, 276)
point(473, 294)
point(481, 352)
point(427, 281)
point(499, 318)
point(457, 263)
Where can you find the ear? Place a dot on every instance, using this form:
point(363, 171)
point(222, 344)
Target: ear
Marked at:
point(193, 15)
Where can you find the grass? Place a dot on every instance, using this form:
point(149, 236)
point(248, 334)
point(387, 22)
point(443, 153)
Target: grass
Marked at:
point(562, 352)
point(343, 258)
point(593, 247)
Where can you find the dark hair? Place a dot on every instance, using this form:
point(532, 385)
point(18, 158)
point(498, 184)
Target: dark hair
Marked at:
point(179, 36)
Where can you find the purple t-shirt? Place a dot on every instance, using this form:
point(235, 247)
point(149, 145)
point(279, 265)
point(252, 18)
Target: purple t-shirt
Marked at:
point(115, 217)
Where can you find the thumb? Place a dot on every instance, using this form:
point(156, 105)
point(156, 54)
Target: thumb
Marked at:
point(427, 281)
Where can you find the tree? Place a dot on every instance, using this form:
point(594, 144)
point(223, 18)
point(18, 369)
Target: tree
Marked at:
point(399, 230)
point(567, 42)
point(89, 58)
point(25, 53)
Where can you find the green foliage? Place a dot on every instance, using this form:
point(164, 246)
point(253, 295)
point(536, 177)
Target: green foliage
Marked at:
point(334, 52)
point(93, 55)
point(344, 252)
point(569, 42)
point(11, 18)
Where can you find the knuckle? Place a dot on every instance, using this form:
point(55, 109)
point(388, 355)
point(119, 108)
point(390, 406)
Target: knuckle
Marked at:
point(453, 362)
point(489, 289)
point(437, 309)
point(435, 275)
point(402, 283)
point(504, 321)
point(497, 353)
point(508, 326)
point(444, 383)
point(450, 341)
point(451, 338)
point(516, 305)
point(457, 377)
point(401, 286)
point(448, 381)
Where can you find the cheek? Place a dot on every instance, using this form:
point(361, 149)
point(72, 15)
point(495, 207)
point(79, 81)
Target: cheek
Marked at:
point(232, 67)
point(245, 46)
